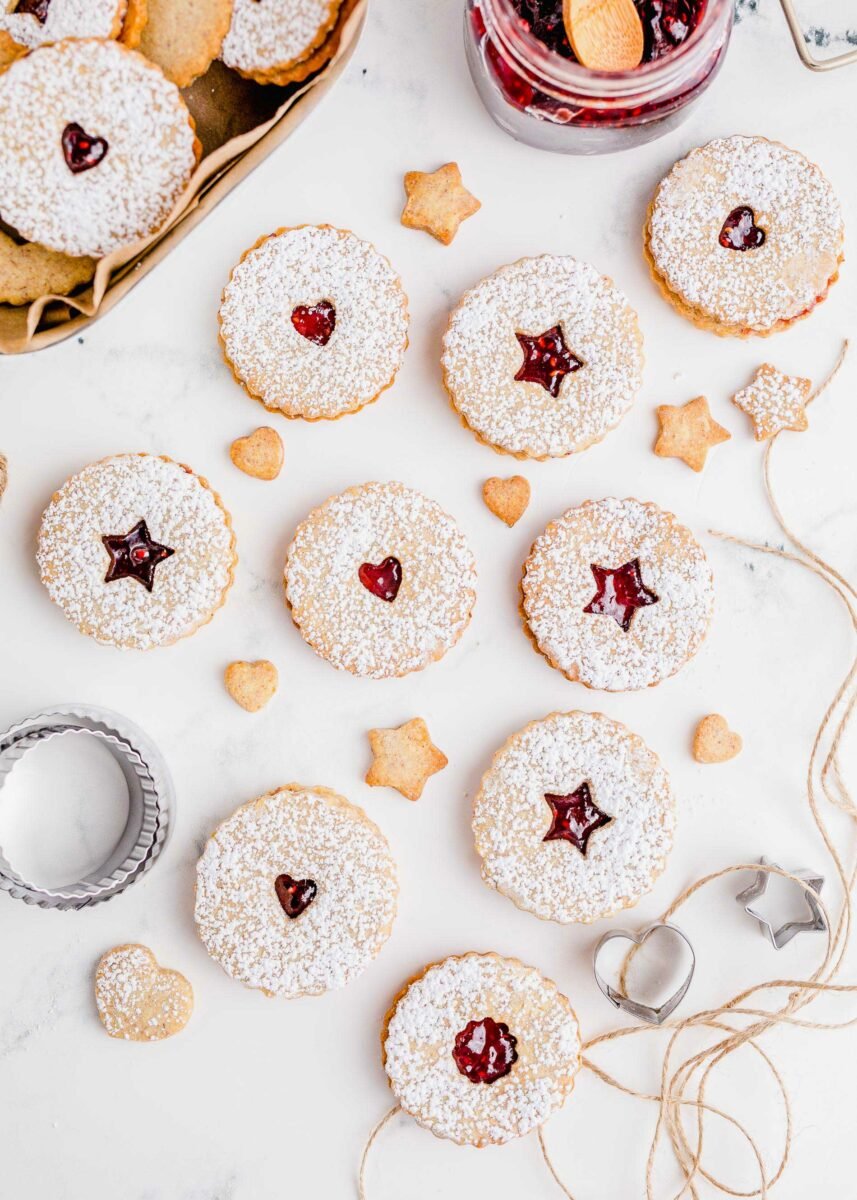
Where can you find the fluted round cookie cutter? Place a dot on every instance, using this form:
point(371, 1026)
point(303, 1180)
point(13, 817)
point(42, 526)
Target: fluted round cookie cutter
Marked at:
point(150, 802)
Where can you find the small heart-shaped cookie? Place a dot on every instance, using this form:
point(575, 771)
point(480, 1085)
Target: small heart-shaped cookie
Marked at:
point(507, 498)
point(251, 684)
point(714, 741)
point(260, 454)
point(139, 1000)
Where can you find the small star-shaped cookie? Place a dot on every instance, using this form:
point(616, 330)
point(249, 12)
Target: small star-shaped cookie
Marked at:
point(688, 432)
point(404, 758)
point(438, 202)
point(774, 401)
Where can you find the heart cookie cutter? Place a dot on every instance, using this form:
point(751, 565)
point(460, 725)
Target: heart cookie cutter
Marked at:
point(652, 1014)
point(781, 935)
point(150, 803)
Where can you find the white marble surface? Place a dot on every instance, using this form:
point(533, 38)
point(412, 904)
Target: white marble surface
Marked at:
point(260, 1099)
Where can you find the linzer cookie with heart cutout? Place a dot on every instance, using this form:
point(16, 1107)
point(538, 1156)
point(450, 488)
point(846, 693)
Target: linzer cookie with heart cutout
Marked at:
point(481, 1049)
point(744, 236)
point(380, 580)
point(137, 551)
point(314, 322)
point(32, 23)
point(76, 175)
point(617, 594)
point(574, 819)
point(296, 892)
point(543, 358)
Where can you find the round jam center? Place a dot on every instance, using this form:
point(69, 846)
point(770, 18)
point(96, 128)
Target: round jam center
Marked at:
point(484, 1050)
point(666, 24)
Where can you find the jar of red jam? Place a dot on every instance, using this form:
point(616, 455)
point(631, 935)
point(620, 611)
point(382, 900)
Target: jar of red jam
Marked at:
point(529, 80)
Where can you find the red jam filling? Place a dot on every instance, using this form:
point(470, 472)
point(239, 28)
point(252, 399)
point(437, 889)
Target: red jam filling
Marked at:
point(81, 150)
point(574, 818)
point(619, 593)
point(315, 322)
point(547, 359)
point(383, 580)
point(484, 1050)
point(740, 231)
point(135, 555)
point(295, 895)
point(34, 8)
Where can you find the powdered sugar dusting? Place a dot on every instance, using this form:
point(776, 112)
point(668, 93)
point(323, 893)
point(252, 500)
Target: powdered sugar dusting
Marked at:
point(266, 34)
point(511, 817)
point(108, 498)
point(792, 202)
point(112, 93)
point(558, 584)
point(65, 19)
point(138, 1000)
point(308, 833)
point(348, 625)
point(774, 401)
point(481, 356)
point(421, 1033)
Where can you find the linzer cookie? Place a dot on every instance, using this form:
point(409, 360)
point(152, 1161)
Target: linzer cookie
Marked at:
point(574, 819)
point(744, 236)
point(543, 357)
point(184, 37)
point(380, 580)
point(76, 174)
point(268, 40)
point(481, 1049)
point(617, 594)
point(137, 551)
point(32, 23)
point(314, 322)
point(296, 892)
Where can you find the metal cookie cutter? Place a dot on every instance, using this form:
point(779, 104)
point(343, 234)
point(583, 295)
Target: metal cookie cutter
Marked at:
point(805, 54)
point(645, 1012)
point(781, 935)
point(150, 802)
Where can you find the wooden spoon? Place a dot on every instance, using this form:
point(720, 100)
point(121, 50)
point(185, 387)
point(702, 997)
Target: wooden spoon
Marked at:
point(606, 35)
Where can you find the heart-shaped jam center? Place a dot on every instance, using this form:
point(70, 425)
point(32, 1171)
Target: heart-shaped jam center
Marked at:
point(295, 895)
point(82, 151)
point(34, 8)
point(740, 231)
point(383, 580)
point(315, 322)
point(574, 817)
point(484, 1051)
point(619, 593)
point(547, 359)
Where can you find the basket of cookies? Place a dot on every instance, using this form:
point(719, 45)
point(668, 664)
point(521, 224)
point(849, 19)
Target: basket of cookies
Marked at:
point(125, 122)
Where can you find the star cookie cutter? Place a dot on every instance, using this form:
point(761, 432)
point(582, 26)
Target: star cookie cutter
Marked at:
point(652, 1014)
point(781, 935)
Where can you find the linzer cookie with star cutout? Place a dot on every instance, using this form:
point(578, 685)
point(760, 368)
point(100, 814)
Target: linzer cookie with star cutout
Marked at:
point(744, 236)
point(31, 23)
point(380, 580)
point(481, 1049)
point(617, 594)
point(275, 41)
point(574, 819)
point(542, 358)
point(137, 551)
point(314, 322)
point(296, 892)
point(76, 175)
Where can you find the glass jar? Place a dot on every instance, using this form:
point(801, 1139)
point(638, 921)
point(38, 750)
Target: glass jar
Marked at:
point(552, 102)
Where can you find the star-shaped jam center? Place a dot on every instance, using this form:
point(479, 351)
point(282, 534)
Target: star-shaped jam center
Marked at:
point(547, 359)
point(35, 8)
point(574, 817)
point(619, 593)
point(134, 555)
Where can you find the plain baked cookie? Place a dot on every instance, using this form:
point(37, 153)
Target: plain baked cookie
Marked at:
point(744, 236)
point(296, 892)
point(380, 580)
point(543, 357)
point(184, 37)
point(314, 322)
point(617, 594)
point(267, 38)
point(137, 551)
point(574, 819)
point(139, 1000)
point(481, 1049)
point(97, 149)
point(28, 271)
point(32, 23)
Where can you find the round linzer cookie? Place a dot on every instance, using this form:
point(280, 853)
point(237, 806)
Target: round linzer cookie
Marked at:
point(296, 892)
point(543, 357)
point(617, 594)
point(184, 37)
point(269, 39)
point(744, 236)
point(28, 271)
point(32, 23)
point(314, 322)
point(481, 1049)
point(380, 580)
point(76, 173)
point(574, 819)
point(137, 551)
